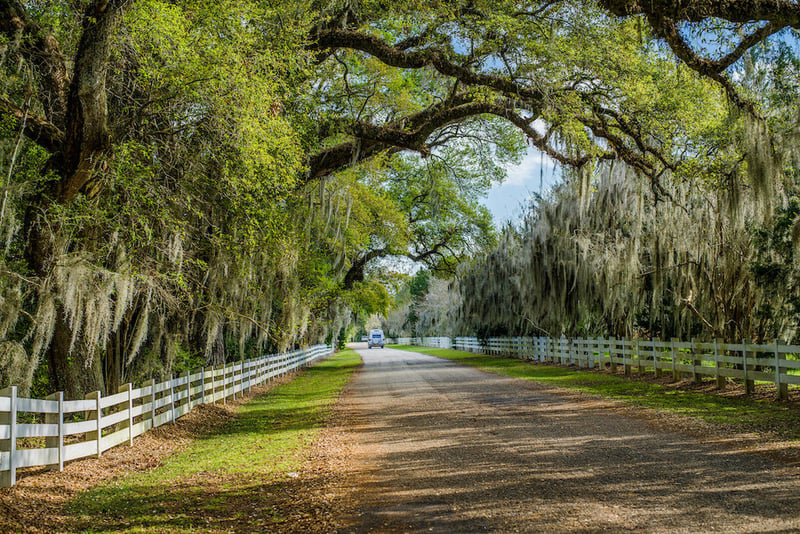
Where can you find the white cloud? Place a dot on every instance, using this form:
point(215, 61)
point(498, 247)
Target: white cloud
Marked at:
point(533, 165)
point(534, 174)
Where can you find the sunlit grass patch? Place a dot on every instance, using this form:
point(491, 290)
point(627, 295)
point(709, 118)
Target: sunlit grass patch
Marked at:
point(236, 474)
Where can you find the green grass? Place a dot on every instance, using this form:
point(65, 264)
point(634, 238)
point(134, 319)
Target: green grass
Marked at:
point(237, 475)
point(736, 414)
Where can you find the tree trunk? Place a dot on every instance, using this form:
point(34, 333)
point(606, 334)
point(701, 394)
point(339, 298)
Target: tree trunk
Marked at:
point(77, 372)
point(78, 155)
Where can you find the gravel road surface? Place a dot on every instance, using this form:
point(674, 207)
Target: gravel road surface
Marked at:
point(443, 448)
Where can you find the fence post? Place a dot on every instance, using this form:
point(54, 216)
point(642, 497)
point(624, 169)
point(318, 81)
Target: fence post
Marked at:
point(782, 389)
point(749, 385)
point(612, 345)
point(639, 361)
point(719, 378)
point(242, 381)
point(224, 369)
point(571, 352)
point(188, 386)
point(674, 358)
point(189, 389)
point(203, 385)
point(626, 359)
point(600, 345)
point(171, 398)
point(9, 446)
point(566, 351)
point(152, 400)
point(129, 388)
point(225, 392)
point(219, 376)
point(696, 377)
point(215, 369)
point(96, 415)
point(233, 380)
point(56, 442)
point(656, 357)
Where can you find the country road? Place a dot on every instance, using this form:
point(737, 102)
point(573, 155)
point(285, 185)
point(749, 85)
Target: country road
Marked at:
point(445, 448)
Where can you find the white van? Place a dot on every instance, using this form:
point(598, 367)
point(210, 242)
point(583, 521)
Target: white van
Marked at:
point(376, 338)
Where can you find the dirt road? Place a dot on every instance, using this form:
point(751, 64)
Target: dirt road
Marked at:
point(444, 448)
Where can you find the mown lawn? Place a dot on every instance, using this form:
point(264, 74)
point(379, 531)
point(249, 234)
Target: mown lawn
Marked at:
point(238, 478)
point(735, 414)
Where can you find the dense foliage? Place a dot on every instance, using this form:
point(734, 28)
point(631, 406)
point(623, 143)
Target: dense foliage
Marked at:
point(192, 182)
point(709, 252)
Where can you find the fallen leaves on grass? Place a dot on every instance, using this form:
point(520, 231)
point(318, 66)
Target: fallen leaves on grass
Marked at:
point(37, 503)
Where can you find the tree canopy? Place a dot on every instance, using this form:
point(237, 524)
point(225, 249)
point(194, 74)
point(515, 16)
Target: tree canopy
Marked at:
point(220, 178)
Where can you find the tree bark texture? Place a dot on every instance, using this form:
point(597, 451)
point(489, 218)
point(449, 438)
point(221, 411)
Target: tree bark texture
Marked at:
point(74, 129)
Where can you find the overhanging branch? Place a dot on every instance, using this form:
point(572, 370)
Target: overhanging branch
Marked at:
point(37, 129)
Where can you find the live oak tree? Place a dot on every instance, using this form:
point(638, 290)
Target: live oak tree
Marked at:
point(716, 259)
point(208, 177)
point(154, 167)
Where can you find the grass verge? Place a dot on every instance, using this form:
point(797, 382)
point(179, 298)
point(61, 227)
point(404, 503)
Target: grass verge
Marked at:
point(766, 418)
point(239, 477)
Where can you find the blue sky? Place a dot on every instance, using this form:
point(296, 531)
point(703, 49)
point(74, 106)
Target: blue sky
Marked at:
point(507, 200)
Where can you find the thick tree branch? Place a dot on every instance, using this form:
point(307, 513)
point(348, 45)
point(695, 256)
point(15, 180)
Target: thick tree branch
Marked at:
point(413, 133)
point(41, 50)
point(436, 59)
point(781, 12)
point(746, 44)
point(667, 29)
point(87, 137)
point(408, 133)
point(664, 17)
point(538, 140)
point(37, 129)
point(634, 134)
point(600, 129)
point(356, 271)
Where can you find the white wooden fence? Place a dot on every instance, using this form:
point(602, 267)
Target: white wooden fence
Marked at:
point(776, 362)
point(63, 430)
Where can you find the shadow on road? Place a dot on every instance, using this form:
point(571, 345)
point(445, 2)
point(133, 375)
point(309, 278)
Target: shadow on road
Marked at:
point(451, 449)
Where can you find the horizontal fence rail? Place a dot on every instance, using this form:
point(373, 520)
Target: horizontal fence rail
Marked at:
point(776, 362)
point(54, 430)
